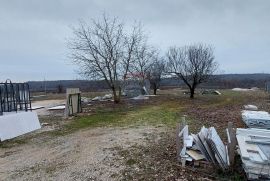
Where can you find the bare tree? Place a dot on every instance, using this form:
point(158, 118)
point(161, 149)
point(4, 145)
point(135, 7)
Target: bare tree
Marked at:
point(144, 58)
point(104, 50)
point(155, 73)
point(193, 64)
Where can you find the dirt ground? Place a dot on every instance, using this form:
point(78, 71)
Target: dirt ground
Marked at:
point(47, 104)
point(84, 155)
point(136, 143)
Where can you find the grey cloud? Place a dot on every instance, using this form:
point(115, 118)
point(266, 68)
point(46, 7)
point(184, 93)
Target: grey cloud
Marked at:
point(33, 33)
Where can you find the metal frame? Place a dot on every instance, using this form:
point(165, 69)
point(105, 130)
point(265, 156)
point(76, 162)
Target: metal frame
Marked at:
point(14, 97)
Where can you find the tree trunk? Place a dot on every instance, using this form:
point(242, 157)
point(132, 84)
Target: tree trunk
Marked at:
point(155, 89)
point(192, 91)
point(119, 94)
point(115, 97)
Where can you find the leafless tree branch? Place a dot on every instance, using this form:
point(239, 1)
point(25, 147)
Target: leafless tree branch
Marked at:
point(193, 64)
point(104, 50)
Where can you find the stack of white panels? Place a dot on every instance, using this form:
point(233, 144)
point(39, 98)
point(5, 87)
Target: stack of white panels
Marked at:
point(212, 147)
point(254, 145)
point(256, 119)
point(207, 145)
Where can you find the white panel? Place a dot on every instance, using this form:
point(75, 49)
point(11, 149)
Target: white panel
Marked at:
point(57, 108)
point(13, 125)
point(218, 144)
point(72, 91)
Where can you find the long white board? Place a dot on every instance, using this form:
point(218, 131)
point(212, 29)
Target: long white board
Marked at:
point(16, 124)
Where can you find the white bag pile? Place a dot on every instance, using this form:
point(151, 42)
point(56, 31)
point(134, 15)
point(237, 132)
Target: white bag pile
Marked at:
point(254, 146)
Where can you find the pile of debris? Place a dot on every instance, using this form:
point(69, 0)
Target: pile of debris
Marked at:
point(58, 107)
point(245, 90)
point(140, 97)
point(256, 119)
point(206, 145)
point(106, 97)
point(251, 107)
point(86, 100)
point(213, 92)
point(16, 117)
point(254, 149)
point(134, 86)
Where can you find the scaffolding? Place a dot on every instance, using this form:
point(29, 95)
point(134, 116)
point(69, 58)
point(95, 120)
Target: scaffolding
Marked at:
point(14, 97)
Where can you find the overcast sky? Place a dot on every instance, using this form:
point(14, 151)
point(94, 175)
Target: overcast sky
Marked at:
point(34, 33)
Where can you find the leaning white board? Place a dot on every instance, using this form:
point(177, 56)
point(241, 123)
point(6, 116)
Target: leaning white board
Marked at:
point(16, 124)
point(61, 107)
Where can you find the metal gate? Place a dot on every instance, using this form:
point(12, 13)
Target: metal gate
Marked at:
point(14, 97)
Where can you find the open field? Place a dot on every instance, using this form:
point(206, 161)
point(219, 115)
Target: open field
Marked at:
point(134, 140)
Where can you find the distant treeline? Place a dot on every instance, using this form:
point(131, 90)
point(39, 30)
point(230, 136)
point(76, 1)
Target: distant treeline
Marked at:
point(225, 81)
point(229, 81)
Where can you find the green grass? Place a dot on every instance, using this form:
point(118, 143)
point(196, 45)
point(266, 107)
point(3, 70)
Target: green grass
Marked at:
point(11, 143)
point(154, 115)
point(131, 162)
point(166, 113)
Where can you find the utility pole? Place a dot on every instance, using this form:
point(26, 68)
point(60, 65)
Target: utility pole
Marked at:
point(45, 86)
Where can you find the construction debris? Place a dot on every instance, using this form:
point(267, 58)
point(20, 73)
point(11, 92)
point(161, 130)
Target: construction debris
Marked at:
point(133, 86)
point(140, 97)
point(145, 91)
point(60, 107)
point(250, 107)
point(14, 100)
point(245, 90)
point(37, 107)
point(151, 95)
point(254, 149)
point(204, 145)
point(98, 98)
point(14, 124)
point(106, 97)
point(85, 100)
point(213, 92)
point(195, 155)
point(256, 119)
